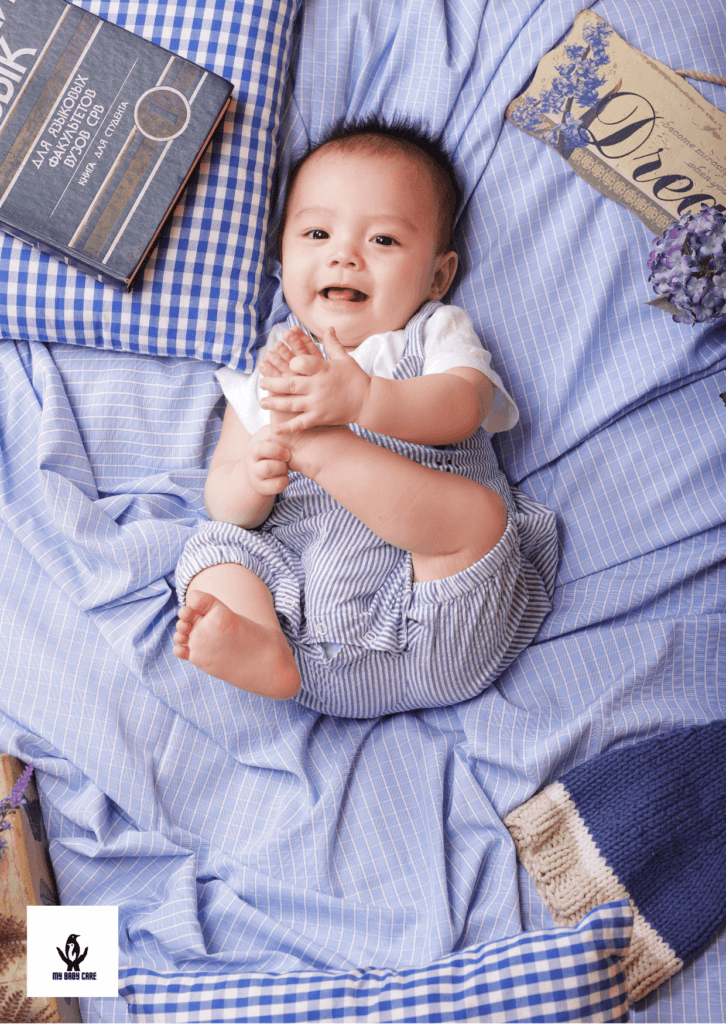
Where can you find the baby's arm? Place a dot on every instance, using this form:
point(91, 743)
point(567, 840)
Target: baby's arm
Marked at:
point(440, 408)
point(401, 501)
point(245, 474)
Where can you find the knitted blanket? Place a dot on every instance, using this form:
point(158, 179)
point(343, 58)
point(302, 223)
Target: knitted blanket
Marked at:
point(646, 823)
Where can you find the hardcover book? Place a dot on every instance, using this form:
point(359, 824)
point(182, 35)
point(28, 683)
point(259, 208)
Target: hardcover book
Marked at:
point(99, 133)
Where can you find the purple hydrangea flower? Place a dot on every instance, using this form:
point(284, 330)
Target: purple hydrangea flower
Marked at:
point(688, 266)
point(714, 243)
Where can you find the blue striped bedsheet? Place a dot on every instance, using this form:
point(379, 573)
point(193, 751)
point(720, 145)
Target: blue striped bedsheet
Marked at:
point(241, 835)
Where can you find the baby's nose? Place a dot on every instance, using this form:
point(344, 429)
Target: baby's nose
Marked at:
point(346, 256)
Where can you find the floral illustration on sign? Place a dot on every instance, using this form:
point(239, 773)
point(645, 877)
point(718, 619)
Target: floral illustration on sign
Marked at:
point(576, 82)
point(688, 266)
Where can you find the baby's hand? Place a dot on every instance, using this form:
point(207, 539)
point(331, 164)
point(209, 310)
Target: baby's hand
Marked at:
point(322, 392)
point(266, 460)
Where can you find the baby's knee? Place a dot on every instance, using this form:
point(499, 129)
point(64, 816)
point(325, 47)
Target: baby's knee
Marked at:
point(475, 534)
point(488, 519)
point(481, 522)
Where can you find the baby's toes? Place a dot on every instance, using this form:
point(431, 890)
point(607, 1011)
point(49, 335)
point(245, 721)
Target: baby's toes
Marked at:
point(183, 629)
point(198, 604)
point(279, 354)
point(295, 340)
point(302, 346)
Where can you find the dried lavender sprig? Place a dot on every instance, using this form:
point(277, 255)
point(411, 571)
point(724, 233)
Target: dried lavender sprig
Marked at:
point(11, 803)
point(18, 791)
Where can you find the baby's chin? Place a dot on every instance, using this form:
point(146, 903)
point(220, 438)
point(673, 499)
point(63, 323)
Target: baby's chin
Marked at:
point(345, 340)
point(351, 335)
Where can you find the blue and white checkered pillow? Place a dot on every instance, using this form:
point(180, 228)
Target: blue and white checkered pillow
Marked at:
point(201, 285)
point(567, 974)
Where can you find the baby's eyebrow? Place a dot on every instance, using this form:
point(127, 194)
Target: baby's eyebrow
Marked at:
point(310, 209)
point(388, 218)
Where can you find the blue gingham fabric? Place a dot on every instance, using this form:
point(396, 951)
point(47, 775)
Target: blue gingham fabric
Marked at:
point(566, 974)
point(238, 835)
point(200, 290)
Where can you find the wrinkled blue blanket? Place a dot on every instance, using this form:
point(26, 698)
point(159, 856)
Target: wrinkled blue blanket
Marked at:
point(242, 834)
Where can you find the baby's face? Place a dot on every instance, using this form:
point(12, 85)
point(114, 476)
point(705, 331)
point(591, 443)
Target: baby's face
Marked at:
point(359, 245)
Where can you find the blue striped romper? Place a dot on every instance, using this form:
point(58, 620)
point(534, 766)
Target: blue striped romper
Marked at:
point(366, 638)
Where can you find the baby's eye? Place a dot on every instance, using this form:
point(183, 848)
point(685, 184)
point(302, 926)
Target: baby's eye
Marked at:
point(384, 240)
point(317, 234)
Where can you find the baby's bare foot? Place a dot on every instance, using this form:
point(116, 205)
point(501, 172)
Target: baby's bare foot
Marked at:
point(277, 362)
point(245, 653)
point(313, 449)
point(290, 439)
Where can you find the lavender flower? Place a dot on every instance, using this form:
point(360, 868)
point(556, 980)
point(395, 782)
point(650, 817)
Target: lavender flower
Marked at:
point(688, 266)
point(596, 37)
point(527, 115)
point(12, 802)
point(576, 81)
point(570, 130)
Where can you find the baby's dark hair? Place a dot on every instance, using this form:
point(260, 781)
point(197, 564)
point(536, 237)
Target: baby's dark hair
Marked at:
point(374, 134)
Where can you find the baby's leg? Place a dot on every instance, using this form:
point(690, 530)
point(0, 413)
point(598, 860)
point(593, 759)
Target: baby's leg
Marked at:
point(229, 629)
point(446, 521)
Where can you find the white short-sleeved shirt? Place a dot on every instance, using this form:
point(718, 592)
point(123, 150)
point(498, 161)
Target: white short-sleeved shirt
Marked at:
point(449, 340)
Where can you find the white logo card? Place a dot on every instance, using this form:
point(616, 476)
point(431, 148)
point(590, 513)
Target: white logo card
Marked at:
point(72, 951)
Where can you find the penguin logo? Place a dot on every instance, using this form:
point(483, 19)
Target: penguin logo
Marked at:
point(73, 958)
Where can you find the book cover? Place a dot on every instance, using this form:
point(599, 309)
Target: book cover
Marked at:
point(99, 132)
point(628, 124)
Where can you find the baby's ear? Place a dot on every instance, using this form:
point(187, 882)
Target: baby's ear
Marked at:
point(444, 274)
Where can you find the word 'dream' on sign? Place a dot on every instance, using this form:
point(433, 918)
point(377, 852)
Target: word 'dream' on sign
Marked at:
point(629, 125)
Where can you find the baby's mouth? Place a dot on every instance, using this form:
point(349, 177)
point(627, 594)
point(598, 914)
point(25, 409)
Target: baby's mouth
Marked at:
point(344, 294)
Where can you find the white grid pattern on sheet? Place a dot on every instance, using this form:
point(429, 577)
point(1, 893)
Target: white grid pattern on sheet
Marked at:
point(262, 837)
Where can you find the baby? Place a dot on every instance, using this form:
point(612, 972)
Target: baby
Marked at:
point(365, 555)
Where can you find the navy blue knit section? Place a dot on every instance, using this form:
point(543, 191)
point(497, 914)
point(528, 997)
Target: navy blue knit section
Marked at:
point(657, 812)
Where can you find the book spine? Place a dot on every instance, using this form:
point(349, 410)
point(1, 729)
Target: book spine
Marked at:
point(68, 256)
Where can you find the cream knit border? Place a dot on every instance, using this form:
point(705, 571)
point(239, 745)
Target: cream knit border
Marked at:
point(572, 878)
